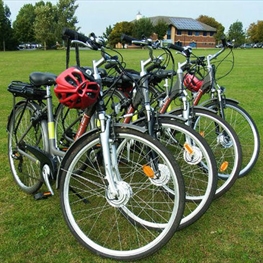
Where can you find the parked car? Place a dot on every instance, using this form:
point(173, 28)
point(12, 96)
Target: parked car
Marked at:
point(219, 46)
point(257, 45)
point(245, 45)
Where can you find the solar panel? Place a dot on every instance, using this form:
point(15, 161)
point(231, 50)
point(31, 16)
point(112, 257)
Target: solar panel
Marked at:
point(186, 23)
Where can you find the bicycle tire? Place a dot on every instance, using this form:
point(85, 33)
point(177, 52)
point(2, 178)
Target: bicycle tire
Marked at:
point(224, 143)
point(68, 120)
point(100, 224)
point(25, 171)
point(246, 130)
point(66, 125)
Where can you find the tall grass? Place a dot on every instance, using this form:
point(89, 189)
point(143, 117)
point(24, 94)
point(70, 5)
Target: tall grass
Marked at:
point(230, 231)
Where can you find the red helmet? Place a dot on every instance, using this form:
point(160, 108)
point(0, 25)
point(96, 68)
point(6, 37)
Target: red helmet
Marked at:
point(192, 83)
point(74, 90)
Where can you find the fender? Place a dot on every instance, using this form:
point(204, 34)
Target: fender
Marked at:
point(210, 101)
point(177, 111)
point(83, 138)
point(165, 115)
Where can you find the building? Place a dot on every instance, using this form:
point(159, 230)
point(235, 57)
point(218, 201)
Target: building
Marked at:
point(187, 31)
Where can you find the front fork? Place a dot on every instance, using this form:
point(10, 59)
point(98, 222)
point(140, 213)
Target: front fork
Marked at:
point(186, 114)
point(220, 100)
point(109, 155)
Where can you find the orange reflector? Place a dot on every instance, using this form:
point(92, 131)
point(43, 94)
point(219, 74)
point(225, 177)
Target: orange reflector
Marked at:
point(223, 166)
point(188, 148)
point(148, 171)
point(47, 193)
point(202, 133)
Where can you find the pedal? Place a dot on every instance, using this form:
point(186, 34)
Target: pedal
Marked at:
point(44, 195)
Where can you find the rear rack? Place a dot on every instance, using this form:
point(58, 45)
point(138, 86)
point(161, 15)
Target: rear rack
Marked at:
point(26, 90)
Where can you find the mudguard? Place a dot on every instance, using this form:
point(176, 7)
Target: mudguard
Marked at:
point(177, 111)
point(208, 102)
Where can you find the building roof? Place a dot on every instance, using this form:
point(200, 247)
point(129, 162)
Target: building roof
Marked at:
point(183, 23)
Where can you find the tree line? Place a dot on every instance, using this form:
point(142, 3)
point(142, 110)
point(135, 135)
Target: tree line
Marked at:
point(39, 23)
point(43, 23)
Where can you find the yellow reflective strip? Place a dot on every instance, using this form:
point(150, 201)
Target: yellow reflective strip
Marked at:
point(135, 117)
point(169, 108)
point(51, 130)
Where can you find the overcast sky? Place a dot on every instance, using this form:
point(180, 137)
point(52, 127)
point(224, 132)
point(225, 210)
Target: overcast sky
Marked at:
point(96, 15)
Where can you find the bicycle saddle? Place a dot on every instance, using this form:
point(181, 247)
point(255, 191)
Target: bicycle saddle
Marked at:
point(41, 78)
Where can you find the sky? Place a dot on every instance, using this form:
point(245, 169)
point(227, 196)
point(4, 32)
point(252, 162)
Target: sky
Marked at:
point(96, 15)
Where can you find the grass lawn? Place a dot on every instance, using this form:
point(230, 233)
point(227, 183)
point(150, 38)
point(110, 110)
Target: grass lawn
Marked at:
point(230, 231)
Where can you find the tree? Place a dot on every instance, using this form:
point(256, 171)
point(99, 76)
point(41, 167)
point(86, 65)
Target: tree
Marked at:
point(108, 31)
point(255, 32)
point(65, 16)
point(23, 25)
point(210, 21)
point(44, 25)
point(119, 29)
point(236, 33)
point(143, 28)
point(161, 28)
point(5, 25)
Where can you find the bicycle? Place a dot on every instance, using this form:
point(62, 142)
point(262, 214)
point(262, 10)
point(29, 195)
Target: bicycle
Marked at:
point(198, 168)
point(221, 137)
point(123, 168)
point(201, 79)
point(218, 133)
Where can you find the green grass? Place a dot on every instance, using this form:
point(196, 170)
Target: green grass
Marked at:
point(230, 231)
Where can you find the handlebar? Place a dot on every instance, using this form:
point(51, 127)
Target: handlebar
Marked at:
point(186, 51)
point(137, 42)
point(127, 38)
point(92, 41)
point(73, 35)
point(226, 44)
point(150, 45)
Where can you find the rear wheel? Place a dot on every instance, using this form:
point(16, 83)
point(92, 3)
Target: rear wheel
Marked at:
point(68, 120)
point(24, 133)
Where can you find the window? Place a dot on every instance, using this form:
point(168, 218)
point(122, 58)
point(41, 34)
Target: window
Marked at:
point(196, 33)
point(169, 33)
point(204, 34)
point(190, 33)
point(179, 32)
point(211, 34)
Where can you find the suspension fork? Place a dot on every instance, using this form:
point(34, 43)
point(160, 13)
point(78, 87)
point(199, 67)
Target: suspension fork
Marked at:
point(221, 102)
point(108, 151)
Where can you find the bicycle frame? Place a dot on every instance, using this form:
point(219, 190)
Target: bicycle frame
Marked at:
point(216, 91)
point(107, 144)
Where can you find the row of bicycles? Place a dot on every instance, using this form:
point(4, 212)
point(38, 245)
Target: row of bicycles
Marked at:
point(136, 156)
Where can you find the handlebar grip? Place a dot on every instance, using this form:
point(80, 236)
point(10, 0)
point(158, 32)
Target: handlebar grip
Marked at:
point(175, 47)
point(127, 38)
point(74, 35)
point(152, 67)
point(224, 42)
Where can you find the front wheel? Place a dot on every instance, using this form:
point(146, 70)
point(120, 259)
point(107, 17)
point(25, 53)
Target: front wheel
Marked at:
point(223, 142)
point(246, 130)
point(120, 227)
